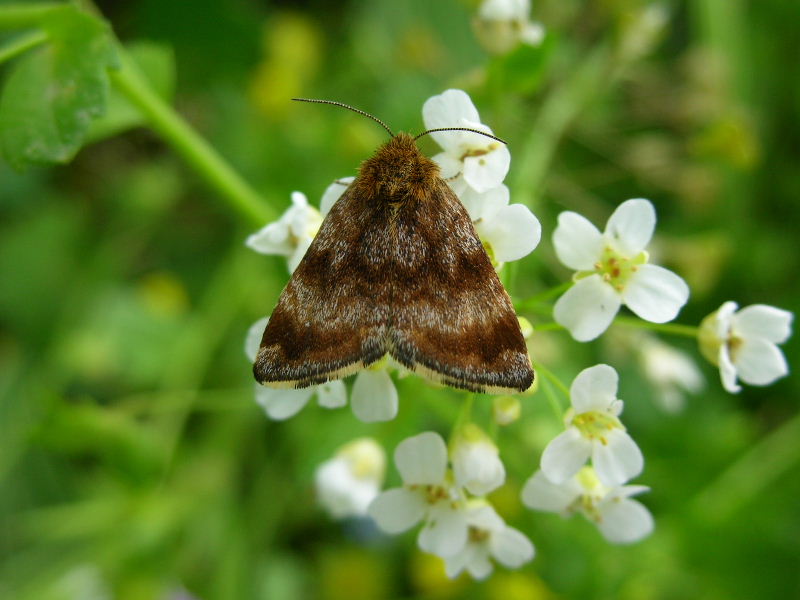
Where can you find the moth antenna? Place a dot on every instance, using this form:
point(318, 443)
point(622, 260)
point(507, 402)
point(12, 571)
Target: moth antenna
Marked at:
point(489, 135)
point(348, 107)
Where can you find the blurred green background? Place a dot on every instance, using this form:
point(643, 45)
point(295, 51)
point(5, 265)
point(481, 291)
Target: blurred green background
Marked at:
point(133, 460)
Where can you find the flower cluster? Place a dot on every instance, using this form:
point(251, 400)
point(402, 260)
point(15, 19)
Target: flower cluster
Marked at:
point(565, 484)
point(465, 531)
point(585, 469)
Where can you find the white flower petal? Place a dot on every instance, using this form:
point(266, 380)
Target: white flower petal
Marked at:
point(299, 201)
point(453, 565)
point(617, 461)
point(532, 33)
point(565, 455)
point(488, 170)
point(477, 467)
point(485, 517)
point(655, 293)
point(282, 404)
point(724, 319)
point(587, 308)
point(624, 521)
point(578, 243)
point(340, 492)
point(332, 193)
point(374, 397)
point(539, 493)
point(271, 239)
point(631, 226)
point(479, 565)
point(510, 547)
point(332, 394)
point(252, 340)
point(482, 206)
point(626, 491)
point(449, 167)
point(422, 459)
point(727, 371)
point(513, 232)
point(763, 321)
point(504, 10)
point(759, 362)
point(445, 532)
point(397, 509)
point(445, 110)
point(594, 388)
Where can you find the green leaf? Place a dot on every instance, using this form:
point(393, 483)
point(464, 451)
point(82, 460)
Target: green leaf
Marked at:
point(54, 93)
point(157, 65)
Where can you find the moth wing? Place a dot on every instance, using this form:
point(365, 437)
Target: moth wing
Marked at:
point(452, 321)
point(327, 324)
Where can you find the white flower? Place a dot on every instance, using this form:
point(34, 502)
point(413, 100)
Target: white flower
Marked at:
point(488, 537)
point(348, 482)
point(427, 495)
point(508, 231)
point(479, 162)
point(672, 372)
point(612, 270)
point(593, 429)
point(291, 235)
point(502, 24)
point(620, 519)
point(374, 396)
point(743, 344)
point(476, 461)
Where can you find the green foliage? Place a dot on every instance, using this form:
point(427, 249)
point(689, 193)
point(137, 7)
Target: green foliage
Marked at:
point(54, 93)
point(157, 66)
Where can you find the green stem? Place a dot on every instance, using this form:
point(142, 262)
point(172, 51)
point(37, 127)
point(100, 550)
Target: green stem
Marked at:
point(22, 44)
point(552, 377)
point(186, 142)
point(465, 413)
point(548, 327)
point(670, 328)
point(15, 16)
point(552, 400)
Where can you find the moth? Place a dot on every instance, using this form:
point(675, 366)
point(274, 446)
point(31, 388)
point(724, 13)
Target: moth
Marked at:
point(396, 268)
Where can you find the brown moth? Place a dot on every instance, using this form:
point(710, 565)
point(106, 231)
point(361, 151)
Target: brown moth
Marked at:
point(396, 268)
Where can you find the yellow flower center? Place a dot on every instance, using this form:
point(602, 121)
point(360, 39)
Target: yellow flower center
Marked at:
point(616, 268)
point(490, 253)
point(709, 341)
point(479, 151)
point(594, 491)
point(477, 535)
point(432, 493)
point(596, 425)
